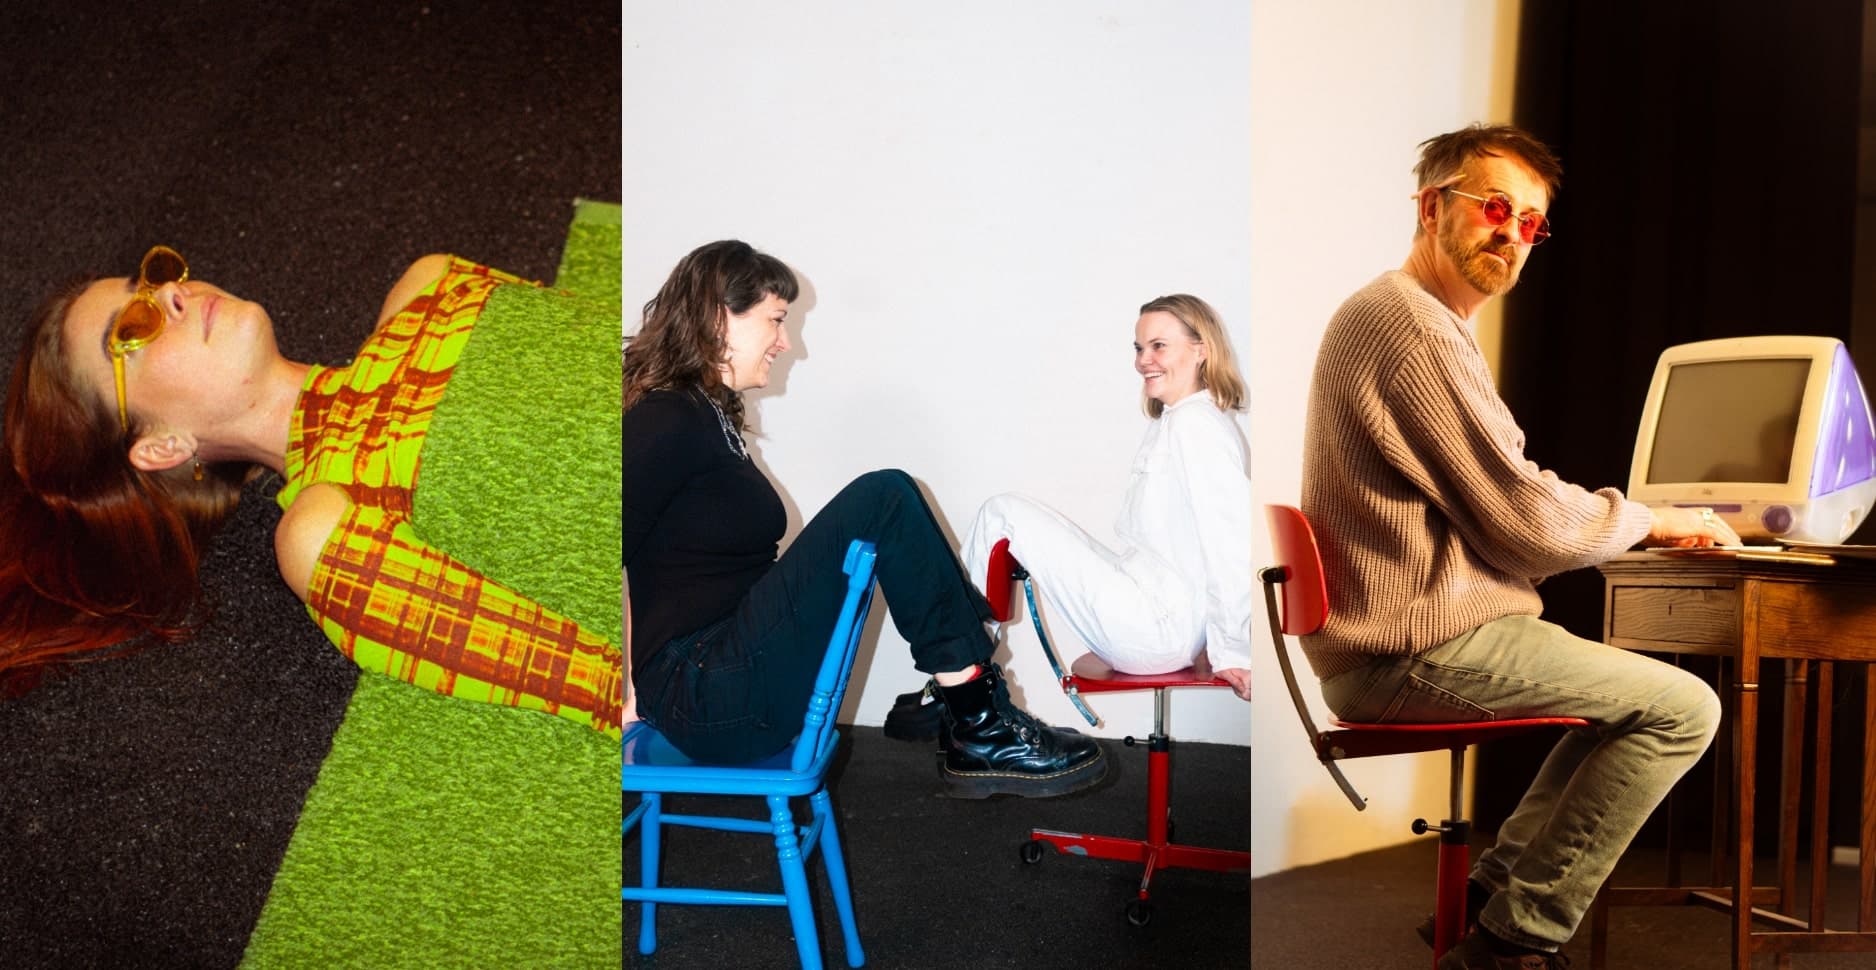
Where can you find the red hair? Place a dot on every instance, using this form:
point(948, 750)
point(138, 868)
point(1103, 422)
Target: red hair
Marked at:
point(99, 556)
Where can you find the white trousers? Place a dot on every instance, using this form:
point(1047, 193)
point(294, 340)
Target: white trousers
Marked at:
point(1131, 607)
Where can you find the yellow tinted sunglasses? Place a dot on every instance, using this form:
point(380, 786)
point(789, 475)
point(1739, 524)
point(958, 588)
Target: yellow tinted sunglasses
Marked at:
point(141, 320)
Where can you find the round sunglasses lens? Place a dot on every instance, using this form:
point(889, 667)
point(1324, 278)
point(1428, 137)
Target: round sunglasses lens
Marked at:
point(163, 266)
point(1497, 209)
point(138, 322)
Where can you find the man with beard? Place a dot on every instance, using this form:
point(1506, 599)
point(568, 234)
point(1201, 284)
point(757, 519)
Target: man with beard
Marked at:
point(1434, 528)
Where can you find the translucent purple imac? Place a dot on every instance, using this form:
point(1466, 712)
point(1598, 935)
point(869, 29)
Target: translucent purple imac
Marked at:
point(1773, 433)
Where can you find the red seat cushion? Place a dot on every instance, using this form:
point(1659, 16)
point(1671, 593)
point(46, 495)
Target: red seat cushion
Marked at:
point(1091, 675)
point(1369, 740)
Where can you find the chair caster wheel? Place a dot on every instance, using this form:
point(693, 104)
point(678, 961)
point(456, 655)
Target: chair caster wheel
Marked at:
point(1031, 852)
point(1139, 912)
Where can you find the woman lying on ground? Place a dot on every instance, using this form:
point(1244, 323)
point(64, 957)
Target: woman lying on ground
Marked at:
point(139, 406)
point(726, 637)
point(1180, 584)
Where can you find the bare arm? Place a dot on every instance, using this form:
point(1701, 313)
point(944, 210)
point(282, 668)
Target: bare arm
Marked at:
point(393, 604)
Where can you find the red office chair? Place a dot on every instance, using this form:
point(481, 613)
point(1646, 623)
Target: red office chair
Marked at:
point(1305, 608)
point(1090, 675)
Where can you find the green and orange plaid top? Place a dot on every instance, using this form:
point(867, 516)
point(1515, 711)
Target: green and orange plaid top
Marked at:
point(385, 597)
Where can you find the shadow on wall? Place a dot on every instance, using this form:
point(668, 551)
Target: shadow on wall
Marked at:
point(1322, 818)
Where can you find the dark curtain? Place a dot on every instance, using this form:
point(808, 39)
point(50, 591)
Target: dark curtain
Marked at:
point(1710, 153)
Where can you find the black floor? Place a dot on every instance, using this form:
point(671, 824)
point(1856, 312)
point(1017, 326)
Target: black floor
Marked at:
point(938, 883)
point(1360, 912)
point(301, 155)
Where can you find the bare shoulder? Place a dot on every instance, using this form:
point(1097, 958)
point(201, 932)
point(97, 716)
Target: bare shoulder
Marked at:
point(422, 273)
point(303, 532)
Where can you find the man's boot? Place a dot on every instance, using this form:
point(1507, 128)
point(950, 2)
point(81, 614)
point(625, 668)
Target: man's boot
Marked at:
point(989, 746)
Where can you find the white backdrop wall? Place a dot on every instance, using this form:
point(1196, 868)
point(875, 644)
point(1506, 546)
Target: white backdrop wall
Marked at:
point(978, 197)
point(1342, 92)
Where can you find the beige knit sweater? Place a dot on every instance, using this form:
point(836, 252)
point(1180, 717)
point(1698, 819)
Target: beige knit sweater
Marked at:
point(1430, 518)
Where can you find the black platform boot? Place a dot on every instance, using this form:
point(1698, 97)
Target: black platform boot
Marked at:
point(914, 716)
point(989, 746)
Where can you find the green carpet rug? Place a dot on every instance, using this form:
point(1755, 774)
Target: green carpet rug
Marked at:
point(589, 265)
point(450, 834)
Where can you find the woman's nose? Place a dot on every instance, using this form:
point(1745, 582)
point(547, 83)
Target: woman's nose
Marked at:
point(172, 298)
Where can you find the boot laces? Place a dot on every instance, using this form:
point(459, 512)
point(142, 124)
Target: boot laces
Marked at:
point(1027, 727)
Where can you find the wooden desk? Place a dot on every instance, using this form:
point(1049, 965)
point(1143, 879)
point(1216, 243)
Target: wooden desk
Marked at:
point(1810, 616)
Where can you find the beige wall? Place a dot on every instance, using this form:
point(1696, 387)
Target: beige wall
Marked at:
point(1341, 93)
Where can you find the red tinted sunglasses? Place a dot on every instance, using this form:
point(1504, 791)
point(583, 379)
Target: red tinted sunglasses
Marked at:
point(1533, 228)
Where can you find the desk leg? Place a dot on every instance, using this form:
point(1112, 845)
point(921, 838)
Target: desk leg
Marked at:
point(1791, 782)
point(1599, 931)
point(1745, 769)
point(1719, 855)
point(1671, 809)
point(1791, 790)
point(1820, 797)
point(1866, 895)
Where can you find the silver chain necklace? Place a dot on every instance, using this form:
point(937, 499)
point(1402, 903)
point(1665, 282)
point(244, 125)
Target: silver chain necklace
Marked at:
point(730, 437)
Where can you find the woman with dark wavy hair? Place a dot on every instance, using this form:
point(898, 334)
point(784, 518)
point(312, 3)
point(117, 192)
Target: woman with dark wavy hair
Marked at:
point(725, 636)
point(138, 407)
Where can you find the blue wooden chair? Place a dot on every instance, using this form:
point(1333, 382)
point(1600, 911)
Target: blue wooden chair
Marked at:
point(653, 768)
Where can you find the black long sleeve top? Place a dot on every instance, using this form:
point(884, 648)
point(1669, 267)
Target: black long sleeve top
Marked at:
point(701, 522)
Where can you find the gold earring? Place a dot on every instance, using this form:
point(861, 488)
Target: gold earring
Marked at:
point(198, 469)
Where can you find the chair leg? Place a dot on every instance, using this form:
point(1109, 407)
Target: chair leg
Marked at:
point(1155, 852)
point(835, 862)
point(1449, 915)
point(1449, 900)
point(795, 882)
point(649, 831)
point(1158, 789)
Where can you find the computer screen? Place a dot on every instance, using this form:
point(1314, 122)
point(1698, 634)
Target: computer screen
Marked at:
point(1773, 433)
point(1729, 421)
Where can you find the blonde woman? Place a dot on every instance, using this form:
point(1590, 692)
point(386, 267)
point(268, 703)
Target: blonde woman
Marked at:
point(1179, 582)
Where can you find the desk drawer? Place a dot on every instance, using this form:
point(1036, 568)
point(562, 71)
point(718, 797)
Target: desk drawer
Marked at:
point(1675, 614)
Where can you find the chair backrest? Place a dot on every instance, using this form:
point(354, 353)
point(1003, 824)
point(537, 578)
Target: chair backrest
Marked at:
point(830, 685)
point(999, 579)
point(1305, 592)
point(1298, 572)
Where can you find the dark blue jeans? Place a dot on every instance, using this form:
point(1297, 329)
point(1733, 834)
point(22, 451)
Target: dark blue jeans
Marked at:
point(737, 689)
